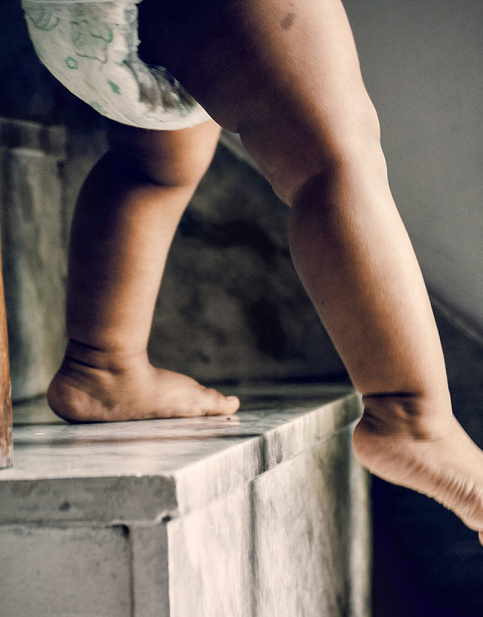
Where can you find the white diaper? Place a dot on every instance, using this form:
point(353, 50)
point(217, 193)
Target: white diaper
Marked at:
point(91, 47)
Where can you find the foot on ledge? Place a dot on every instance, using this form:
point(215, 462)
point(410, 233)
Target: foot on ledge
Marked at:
point(98, 389)
point(445, 465)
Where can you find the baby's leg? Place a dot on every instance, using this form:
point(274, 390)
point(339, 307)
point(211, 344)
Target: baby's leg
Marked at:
point(285, 75)
point(124, 222)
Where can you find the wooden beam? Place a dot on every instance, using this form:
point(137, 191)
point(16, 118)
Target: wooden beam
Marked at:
point(6, 444)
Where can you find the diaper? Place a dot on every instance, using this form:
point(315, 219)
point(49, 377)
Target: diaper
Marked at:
point(91, 46)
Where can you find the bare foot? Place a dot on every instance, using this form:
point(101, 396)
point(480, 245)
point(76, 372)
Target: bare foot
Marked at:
point(91, 386)
point(447, 466)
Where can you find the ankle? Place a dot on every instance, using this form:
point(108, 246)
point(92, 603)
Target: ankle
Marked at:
point(113, 359)
point(417, 416)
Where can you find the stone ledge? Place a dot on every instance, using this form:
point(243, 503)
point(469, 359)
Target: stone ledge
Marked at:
point(99, 472)
point(265, 514)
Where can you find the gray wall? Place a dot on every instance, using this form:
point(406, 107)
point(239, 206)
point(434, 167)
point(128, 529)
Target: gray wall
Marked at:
point(422, 61)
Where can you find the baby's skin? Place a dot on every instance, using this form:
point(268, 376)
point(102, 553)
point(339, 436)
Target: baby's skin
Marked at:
point(285, 76)
point(124, 222)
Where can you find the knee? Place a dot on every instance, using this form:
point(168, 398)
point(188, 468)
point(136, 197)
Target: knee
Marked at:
point(336, 149)
point(168, 158)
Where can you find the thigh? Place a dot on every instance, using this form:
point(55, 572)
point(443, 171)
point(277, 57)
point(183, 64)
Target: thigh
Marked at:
point(283, 74)
point(168, 158)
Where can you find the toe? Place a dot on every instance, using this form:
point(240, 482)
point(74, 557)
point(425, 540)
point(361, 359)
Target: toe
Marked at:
point(219, 405)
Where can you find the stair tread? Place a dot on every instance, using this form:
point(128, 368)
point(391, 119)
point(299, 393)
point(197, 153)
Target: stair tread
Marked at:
point(187, 463)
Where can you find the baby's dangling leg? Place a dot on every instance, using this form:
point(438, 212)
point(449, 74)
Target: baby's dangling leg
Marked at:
point(126, 216)
point(286, 76)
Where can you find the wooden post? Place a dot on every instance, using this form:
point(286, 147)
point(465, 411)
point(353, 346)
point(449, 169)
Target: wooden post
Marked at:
point(6, 443)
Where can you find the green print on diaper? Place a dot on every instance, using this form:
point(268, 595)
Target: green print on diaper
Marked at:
point(97, 107)
point(44, 19)
point(71, 63)
point(91, 36)
point(114, 87)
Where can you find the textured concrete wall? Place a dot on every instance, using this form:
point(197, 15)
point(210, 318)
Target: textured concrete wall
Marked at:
point(34, 253)
point(65, 572)
point(231, 306)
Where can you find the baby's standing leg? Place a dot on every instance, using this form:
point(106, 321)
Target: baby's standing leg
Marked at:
point(285, 75)
point(124, 222)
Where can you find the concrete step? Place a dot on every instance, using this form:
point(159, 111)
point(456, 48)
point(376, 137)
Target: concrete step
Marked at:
point(261, 514)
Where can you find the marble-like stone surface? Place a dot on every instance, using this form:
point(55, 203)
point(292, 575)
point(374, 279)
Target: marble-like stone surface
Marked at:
point(202, 458)
point(360, 571)
point(291, 550)
point(302, 533)
point(247, 516)
point(34, 261)
point(211, 555)
point(290, 555)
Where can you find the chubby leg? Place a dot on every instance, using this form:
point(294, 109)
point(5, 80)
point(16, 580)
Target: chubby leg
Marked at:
point(125, 219)
point(285, 75)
